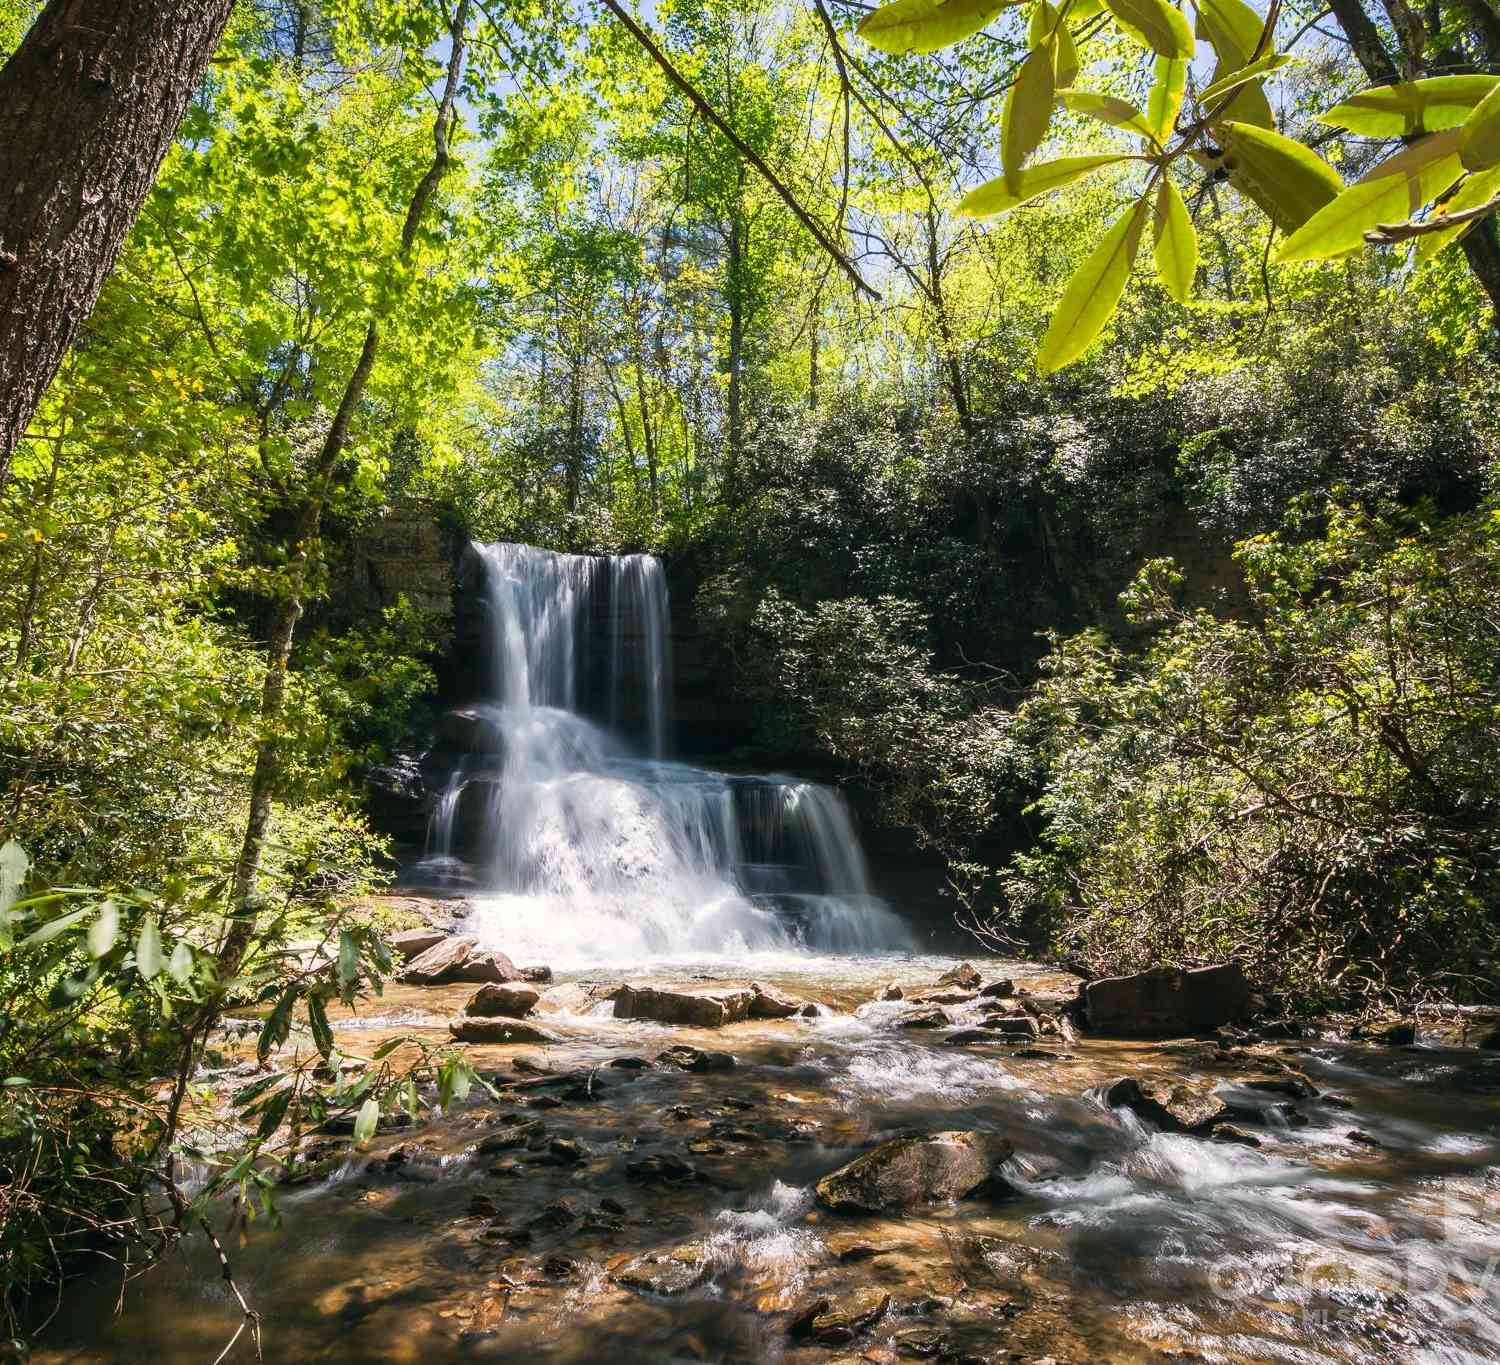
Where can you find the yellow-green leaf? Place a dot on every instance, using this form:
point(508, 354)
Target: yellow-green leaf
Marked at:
point(1391, 193)
point(366, 1121)
point(1155, 24)
point(1288, 181)
point(1235, 31)
point(1232, 29)
point(1117, 113)
point(1427, 106)
point(148, 948)
point(1176, 243)
point(995, 196)
point(1028, 111)
point(1093, 293)
point(926, 25)
point(1165, 101)
point(1480, 148)
point(105, 928)
point(1255, 71)
point(1049, 30)
point(1476, 190)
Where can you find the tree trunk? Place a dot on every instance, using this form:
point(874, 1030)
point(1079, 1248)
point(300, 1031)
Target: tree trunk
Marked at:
point(735, 279)
point(265, 781)
point(89, 105)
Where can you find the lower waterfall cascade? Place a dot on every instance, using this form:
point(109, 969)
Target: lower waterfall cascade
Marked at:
point(586, 847)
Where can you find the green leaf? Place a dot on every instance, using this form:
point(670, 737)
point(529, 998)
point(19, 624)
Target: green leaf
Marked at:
point(1476, 190)
point(278, 1023)
point(366, 1121)
point(1093, 293)
point(1028, 111)
point(1390, 193)
point(105, 929)
point(388, 1047)
point(1155, 24)
point(1289, 182)
point(14, 864)
point(1480, 148)
point(994, 196)
point(1255, 71)
point(180, 964)
point(413, 1100)
point(1235, 31)
point(926, 25)
point(1117, 113)
point(148, 948)
point(53, 927)
point(317, 1016)
point(348, 966)
point(1427, 106)
point(1048, 29)
point(1176, 243)
point(1165, 100)
point(274, 1112)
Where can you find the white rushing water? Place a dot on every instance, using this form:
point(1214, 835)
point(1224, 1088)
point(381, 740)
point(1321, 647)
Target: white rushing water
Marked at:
point(589, 845)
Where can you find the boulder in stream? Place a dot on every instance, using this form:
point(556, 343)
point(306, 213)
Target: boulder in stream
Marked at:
point(697, 1058)
point(469, 1030)
point(965, 975)
point(910, 1171)
point(766, 1004)
point(502, 999)
point(695, 1006)
point(410, 943)
point(833, 1322)
point(458, 958)
point(1175, 1106)
point(1167, 1002)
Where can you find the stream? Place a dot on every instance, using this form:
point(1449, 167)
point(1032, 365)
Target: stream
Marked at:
point(625, 1201)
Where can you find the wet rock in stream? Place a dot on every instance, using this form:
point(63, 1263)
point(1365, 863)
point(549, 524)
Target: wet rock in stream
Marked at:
point(502, 1000)
point(459, 959)
point(1175, 1106)
point(908, 1172)
point(1167, 1002)
point(691, 1006)
point(498, 1031)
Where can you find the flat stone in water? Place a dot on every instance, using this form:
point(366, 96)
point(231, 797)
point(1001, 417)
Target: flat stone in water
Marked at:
point(692, 1006)
point(498, 1031)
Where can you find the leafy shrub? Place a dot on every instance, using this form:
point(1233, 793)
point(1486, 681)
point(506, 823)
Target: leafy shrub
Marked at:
point(1313, 789)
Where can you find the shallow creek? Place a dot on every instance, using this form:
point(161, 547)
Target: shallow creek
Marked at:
point(1119, 1243)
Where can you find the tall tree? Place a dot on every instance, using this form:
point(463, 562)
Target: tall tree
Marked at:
point(89, 105)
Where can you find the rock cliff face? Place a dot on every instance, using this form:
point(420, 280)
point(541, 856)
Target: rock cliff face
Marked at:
point(408, 552)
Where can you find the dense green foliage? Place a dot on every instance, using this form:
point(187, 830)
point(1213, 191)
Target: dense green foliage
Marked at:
point(600, 327)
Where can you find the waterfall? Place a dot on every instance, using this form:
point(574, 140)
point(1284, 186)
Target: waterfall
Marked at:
point(588, 848)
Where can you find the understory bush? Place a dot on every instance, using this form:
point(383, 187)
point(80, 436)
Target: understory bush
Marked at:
point(1313, 789)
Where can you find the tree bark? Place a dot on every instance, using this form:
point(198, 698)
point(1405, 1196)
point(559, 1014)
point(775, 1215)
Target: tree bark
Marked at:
point(89, 105)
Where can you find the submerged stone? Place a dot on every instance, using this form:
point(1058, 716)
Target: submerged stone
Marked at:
point(833, 1322)
point(697, 1059)
point(911, 1171)
point(666, 1273)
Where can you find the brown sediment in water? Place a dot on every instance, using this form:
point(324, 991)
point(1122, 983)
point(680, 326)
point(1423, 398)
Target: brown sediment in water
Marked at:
point(656, 1214)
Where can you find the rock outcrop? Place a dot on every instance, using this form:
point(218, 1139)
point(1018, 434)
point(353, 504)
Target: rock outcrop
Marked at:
point(1166, 1002)
point(459, 958)
point(911, 1171)
point(695, 1006)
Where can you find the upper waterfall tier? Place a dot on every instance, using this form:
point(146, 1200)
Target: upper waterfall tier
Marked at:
point(588, 844)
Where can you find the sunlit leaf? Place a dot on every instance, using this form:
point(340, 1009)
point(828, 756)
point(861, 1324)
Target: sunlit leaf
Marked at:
point(1176, 243)
point(366, 1121)
point(1235, 32)
point(1426, 106)
point(148, 948)
point(1154, 24)
point(1049, 30)
point(180, 963)
point(1028, 111)
point(105, 929)
point(14, 865)
point(994, 196)
point(1475, 190)
point(1390, 193)
point(926, 25)
point(1481, 140)
point(1117, 113)
point(1255, 71)
point(1093, 293)
point(1287, 180)
point(1165, 102)
point(53, 927)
